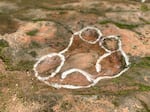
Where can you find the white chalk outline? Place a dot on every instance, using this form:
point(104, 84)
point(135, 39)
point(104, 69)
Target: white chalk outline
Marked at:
point(87, 75)
point(143, 1)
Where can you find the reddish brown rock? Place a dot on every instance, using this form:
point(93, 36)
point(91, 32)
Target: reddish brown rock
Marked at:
point(47, 66)
point(110, 44)
point(75, 78)
point(39, 32)
point(112, 64)
point(131, 42)
point(90, 35)
point(83, 55)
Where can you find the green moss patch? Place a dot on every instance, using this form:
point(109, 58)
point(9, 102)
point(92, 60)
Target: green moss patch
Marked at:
point(120, 25)
point(33, 53)
point(32, 32)
point(35, 45)
point(24, 65)
point(3, 43)
point(144, 62)
point(5, 55)
point(144, 8)
point(93, 11)
point(66, 105)
point(143, 87)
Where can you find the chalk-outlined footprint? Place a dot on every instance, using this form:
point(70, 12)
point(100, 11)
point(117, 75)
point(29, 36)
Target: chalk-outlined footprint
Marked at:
point(87, 75)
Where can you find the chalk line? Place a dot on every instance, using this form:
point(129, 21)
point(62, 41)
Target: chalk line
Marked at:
point(87, 75)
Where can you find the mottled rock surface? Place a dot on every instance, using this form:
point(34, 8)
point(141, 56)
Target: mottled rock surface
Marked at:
point(30, 29)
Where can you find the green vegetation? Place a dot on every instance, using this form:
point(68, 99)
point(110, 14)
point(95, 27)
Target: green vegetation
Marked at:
point(145, 21)
point(56, 8)
point(41, 19)
point(123, 92)
point(10, 65)
point(33, 53)
point(62, 12)
point(5, 55)
point(32, 32)
point(35, 45)
point(96, 88)
point(143, 87)
point(21, 66)
point(116, 102)
point(3, 43)
point(120, 25)
point(24, 65)
point(2, 76)
point(66, 105)
point(134, 47)
point(144, 8)
point(92, 11)
point(116, 80)
point(145, 62)
point(6, 60)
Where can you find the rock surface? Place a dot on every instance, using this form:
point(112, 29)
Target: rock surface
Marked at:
point(31, 29)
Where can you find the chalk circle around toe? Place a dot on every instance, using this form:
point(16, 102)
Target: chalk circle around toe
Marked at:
point(48, 66)
point(110, 43)
point(90, 34)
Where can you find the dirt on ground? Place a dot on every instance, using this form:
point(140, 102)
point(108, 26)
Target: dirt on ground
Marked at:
point(30, 29)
